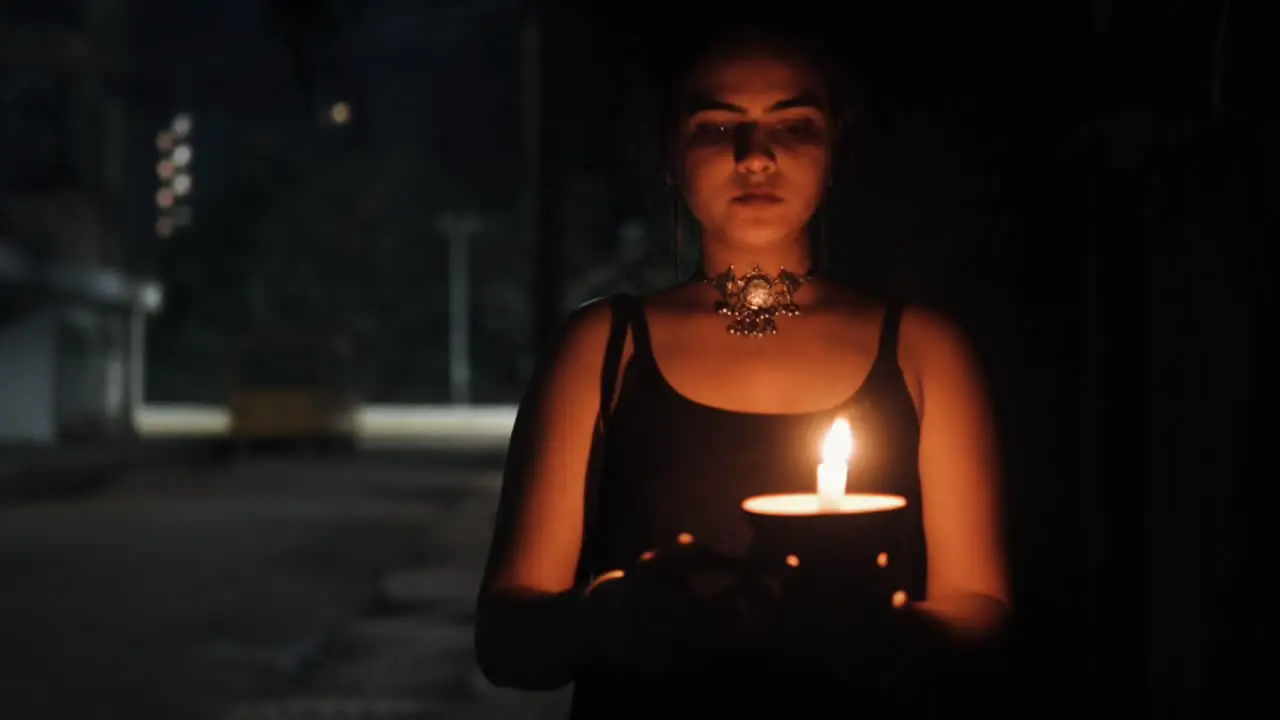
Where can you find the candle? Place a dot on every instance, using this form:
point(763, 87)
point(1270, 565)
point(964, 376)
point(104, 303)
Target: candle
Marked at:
point(831, 497)
point(838, 543)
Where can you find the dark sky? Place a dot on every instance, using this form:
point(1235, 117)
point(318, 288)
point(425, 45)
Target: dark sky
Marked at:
point(442, 75)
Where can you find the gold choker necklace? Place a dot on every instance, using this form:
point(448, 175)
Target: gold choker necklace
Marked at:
point(755, 299)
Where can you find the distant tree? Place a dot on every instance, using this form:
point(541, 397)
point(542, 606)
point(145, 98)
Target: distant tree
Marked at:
point(348, 245)
point(347, 242)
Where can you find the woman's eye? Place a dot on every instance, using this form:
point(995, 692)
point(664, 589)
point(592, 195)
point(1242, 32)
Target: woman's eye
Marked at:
point(713, 132)
point(804, 130)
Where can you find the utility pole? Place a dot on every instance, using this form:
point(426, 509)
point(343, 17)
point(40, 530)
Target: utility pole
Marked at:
point(459, 230)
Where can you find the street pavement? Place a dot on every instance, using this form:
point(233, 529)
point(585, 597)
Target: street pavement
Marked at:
point(291, 586)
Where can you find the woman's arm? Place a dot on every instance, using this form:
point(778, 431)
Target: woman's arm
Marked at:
point(968, 591)
point(529, 617)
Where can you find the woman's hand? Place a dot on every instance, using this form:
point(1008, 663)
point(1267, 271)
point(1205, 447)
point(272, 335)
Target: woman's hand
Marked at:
point(678, 607)
point(638, 620)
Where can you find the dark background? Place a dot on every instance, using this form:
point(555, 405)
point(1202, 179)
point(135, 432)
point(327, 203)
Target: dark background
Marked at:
point(1083, 185)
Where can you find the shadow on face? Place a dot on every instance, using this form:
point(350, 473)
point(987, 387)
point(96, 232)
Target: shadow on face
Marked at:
point(754, 146)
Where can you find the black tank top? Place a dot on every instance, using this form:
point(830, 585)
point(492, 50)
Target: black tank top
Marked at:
point(671, 465)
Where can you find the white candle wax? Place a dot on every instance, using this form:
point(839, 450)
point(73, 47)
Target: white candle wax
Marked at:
point(831, 497)
point(808, 504)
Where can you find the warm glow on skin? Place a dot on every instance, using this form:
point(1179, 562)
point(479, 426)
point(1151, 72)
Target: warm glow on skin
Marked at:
point(756, 124)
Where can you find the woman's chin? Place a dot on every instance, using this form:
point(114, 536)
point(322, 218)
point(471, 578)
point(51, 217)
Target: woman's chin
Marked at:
point(760, 234)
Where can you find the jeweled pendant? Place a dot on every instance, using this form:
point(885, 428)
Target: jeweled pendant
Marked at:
point(755, 300)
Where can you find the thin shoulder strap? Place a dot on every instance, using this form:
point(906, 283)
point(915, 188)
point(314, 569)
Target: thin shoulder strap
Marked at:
point(618, 323)
point(885, 364)
point(620, 320)
point(888, 350)
point(633, 312)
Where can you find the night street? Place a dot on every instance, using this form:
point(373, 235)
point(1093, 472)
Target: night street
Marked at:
point(1018, 260)
point(273, 587)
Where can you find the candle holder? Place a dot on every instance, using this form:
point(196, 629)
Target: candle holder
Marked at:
point(839, 554)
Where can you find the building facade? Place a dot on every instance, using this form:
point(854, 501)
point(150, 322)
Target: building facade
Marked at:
point(72, 320)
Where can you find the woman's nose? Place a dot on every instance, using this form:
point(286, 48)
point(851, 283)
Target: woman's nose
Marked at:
point(751, 150)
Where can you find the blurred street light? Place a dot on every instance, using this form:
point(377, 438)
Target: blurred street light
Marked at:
point(164, 198)
point(173, 171)
point(182, 124)
point(340, 113)
point(164, 226)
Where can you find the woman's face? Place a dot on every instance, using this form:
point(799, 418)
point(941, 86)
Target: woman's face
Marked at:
point(754, 147)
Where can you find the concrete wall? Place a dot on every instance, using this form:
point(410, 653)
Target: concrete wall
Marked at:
point(27, 385)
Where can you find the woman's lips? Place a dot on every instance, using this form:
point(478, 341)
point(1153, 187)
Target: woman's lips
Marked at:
point(757, 198)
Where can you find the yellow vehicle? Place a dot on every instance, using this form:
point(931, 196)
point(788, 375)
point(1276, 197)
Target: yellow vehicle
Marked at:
point(293, 390)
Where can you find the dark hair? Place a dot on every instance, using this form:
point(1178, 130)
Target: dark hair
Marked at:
point(660, 65)
point(660, 61)
point(799, 42)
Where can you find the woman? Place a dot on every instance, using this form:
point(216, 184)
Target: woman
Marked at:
point(702, 418)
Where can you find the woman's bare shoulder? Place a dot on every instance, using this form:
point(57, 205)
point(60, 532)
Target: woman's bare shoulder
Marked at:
point(929, 331)
point(935, 351)
point(848, 302)
point(577, 354)
point(677, 299)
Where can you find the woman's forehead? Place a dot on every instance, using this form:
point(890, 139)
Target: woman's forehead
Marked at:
point(759, 77)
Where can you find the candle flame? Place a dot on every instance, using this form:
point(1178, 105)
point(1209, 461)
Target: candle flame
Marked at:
point(838, 444)
point(834, 469)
